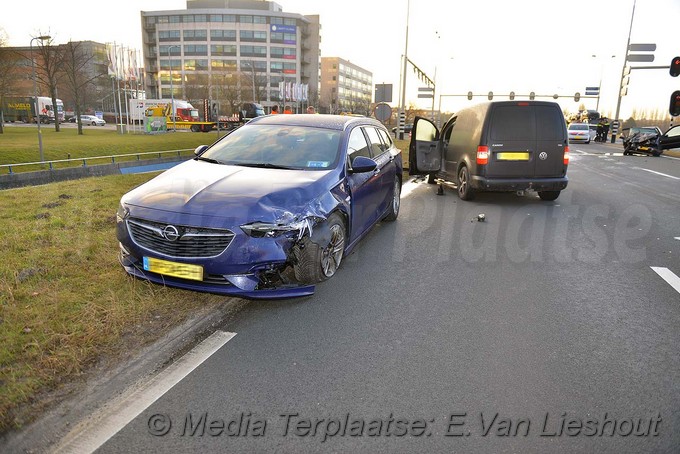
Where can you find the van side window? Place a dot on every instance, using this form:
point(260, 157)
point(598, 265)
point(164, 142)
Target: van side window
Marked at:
point(549, 123)
point(374, 139)
point(426, 131)
point(513, 123)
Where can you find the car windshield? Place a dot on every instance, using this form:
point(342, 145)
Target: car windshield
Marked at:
point(579, 127)
point(275, 146)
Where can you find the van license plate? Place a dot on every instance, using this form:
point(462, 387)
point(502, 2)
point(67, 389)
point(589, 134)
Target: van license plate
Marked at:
point(174, 269)
point(512, 156)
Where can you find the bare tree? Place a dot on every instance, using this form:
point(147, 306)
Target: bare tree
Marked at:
point(8, 65)
point(78, 82)
point(48, 71)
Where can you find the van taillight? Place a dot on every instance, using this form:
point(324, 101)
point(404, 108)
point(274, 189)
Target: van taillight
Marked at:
point(566, 156)
point(482, 155)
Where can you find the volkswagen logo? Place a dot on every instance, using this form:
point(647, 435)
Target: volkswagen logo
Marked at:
point(171, 233)
point(543, 156)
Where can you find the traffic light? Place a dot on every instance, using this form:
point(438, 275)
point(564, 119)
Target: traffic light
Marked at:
point(532, 96)
point(674, 108)
point(512, 95)
point(675, 67)
point(577, 96)
point(469, 95)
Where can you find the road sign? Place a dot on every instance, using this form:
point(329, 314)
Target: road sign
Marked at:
point(427, 96)
point(430, 89)
point(592, 93)
point(640, 57)
point(383, 112)
point(592, 88)
point(642, 47)
point(383, 92)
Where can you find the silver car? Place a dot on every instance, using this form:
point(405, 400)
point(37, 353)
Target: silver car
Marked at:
point(578, 132)
point(92, 120)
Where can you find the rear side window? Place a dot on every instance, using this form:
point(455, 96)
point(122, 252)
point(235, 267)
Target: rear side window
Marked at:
point(387, 141)
point(512, 123)
point(376, 143)
point(550, 123)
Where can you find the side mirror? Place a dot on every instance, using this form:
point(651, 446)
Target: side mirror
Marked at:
point(362, 164)
point(200, 149)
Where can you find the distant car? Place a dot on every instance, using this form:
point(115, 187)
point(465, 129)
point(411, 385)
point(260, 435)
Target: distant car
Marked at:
point(579, 132)
point(407, 130)
point(267, 211)
point(649, 140)
point(89, 120)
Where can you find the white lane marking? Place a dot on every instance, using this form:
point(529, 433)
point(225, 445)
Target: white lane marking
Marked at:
point(677, 237)
point(89, 435)
point(670, 157)
point(668, 276)
point(658, 173)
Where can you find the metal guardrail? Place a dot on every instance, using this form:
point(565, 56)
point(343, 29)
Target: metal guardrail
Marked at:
point(51, 164)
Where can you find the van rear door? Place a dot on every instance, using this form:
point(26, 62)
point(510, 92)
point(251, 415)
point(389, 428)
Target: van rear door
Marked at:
point(526, 140)
point(424, 152)
point(551, 141)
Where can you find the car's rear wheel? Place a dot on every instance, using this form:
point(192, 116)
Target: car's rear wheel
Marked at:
point(396, 201)
point(548, 195)
point(465, 191)
point(94, 123)
point(318, 261)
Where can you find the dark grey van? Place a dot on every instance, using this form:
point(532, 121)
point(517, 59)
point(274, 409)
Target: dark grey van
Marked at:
point(495, 146)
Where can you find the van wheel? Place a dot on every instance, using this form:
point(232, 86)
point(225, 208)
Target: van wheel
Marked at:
point(548, 195)
point(465, 191)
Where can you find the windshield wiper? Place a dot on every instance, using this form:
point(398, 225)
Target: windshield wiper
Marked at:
point(211, 160)
point(266, 165)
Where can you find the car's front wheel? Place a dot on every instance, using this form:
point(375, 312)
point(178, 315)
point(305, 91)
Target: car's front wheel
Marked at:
point(319, 259)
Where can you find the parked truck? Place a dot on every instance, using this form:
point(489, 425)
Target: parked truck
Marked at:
point(22, 109)
point(247, 111)
point(186, 116)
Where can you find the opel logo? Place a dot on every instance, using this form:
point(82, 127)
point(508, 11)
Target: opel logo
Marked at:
point(543, 155)
point(170, 233)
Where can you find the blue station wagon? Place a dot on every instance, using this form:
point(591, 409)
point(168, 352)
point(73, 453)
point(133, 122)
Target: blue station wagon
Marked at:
point(265, 212)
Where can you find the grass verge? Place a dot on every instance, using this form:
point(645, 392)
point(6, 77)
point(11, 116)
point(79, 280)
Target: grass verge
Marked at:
point(65, 302)
point(20, 143)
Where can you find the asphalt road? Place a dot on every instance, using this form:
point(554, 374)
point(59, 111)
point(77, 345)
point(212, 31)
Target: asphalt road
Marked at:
point(543, 329)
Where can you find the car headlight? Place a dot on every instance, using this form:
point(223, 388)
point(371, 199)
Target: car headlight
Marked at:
point(267, 230)
point(122, 213)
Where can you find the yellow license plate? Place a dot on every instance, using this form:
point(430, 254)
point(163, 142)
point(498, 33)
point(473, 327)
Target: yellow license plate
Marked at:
point(512, 156)
point(174, 269)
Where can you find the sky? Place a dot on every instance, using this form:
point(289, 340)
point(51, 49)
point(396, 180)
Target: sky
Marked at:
point(544, 46)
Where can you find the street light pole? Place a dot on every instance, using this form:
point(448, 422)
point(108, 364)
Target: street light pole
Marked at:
point(402, 104)
point(172, 88)
point(35, 95)
point(623, 70)
point(599, 87)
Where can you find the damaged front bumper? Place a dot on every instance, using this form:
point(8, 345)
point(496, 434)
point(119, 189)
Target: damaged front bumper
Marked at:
point(242, 285)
